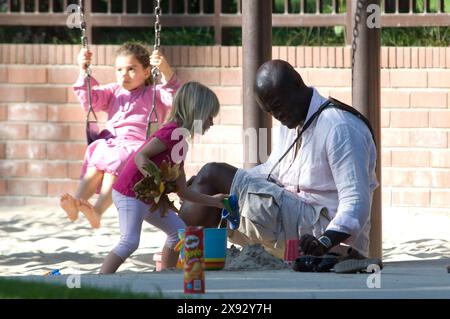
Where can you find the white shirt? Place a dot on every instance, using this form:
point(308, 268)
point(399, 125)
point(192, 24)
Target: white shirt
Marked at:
point(335, 168)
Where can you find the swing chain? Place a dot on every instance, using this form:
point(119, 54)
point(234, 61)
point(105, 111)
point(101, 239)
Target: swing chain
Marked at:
point(158, 11)
point(359, 7)
point(152, 124)
point(84, 43)
point(84, 39)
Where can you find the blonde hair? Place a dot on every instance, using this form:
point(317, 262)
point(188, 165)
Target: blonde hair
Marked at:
point(139, 52)
point(193, 101)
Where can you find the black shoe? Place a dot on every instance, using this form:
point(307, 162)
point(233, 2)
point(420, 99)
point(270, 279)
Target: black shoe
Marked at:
point(353, 266)
point(309, 263)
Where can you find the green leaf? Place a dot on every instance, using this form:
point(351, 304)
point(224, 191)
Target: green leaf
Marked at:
point(154, 171)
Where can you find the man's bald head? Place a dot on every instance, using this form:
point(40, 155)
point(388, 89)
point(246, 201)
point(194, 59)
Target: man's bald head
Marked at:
point(279, 87)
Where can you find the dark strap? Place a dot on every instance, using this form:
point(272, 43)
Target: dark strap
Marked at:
point(331, 102)
point(299, 135)
point(345, 107)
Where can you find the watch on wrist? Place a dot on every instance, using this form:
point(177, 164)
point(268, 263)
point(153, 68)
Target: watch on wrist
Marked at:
point(326, 241)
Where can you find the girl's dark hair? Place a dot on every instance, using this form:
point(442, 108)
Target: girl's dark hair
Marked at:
point(140, 52)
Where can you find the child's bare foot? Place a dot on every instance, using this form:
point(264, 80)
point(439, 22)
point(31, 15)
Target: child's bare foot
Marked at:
point(88, 210)
point(69, 204)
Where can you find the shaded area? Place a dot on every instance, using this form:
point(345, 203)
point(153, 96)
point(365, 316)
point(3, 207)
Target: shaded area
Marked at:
point(15, 288)
point(36, 240)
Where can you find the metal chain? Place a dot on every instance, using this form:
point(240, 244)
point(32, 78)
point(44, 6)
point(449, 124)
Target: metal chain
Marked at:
point(157, 45)
point(84, 43)
point(359, 7)
point(152, 124)
point(84, 39)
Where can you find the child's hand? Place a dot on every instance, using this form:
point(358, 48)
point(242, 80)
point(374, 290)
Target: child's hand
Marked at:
point(190, 180)
point(84, 59)
point(158, 60)
point(220, 198)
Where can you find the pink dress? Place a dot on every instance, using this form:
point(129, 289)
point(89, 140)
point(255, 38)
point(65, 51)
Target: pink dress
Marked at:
point(128, 113)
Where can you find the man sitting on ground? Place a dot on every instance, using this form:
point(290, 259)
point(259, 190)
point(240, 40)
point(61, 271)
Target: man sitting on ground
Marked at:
point(320, 192)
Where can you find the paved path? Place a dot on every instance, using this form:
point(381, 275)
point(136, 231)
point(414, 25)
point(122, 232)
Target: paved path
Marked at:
point(413, 279)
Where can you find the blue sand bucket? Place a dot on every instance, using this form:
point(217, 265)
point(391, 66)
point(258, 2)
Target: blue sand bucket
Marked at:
point(215, 245)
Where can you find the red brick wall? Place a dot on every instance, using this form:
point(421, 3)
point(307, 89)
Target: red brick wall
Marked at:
point(42, 130)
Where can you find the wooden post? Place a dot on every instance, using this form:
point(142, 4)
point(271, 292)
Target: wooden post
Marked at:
point(217, 22)
point(257, 49)
point(366, 98)
point(349, 18)
point(87, 17)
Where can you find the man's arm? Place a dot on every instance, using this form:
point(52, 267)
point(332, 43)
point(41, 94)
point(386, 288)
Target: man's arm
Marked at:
point(349, 155)
point(186, 193)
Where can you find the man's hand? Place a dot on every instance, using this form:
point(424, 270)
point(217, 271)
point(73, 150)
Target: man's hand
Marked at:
point(310, 245)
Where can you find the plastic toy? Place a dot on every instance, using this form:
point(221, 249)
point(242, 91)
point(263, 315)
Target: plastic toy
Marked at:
point(231, 212)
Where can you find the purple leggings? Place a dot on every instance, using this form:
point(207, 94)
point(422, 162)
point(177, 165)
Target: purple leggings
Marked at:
point(132, 213)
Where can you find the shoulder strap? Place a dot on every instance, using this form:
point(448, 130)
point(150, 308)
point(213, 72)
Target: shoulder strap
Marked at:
point(342, 106)
point(331, 102)
point(299, 135)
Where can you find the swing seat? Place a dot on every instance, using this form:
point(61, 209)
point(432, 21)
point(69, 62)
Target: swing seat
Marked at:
point(93, 132)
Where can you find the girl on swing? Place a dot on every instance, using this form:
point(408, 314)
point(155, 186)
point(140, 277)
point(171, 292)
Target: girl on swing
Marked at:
point(128, 105)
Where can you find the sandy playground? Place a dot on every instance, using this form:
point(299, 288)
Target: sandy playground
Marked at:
point(36, 239)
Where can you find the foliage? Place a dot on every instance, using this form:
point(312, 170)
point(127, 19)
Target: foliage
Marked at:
point(169, 36)
point(307, 36)
point(415, 36)
point(155, 186)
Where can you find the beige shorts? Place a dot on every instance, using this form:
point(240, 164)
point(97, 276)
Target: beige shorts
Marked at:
point(270, 215)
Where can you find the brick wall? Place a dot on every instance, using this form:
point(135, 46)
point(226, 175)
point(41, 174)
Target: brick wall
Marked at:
point(42, 130)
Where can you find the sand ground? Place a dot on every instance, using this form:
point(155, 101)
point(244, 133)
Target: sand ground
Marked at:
point(36, 239)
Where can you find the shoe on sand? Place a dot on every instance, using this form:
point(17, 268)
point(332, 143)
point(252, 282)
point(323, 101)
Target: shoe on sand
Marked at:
point(309, 263)
point(353, 266)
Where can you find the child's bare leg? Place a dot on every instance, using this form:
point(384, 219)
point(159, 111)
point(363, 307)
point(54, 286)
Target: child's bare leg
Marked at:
point(94, 213)
point(89, 183)
point(111, 263)
point(169, 258)
point(85, 190)
point(213, 178)
point(88, 211)
point(69, 204)
point(105, 197)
